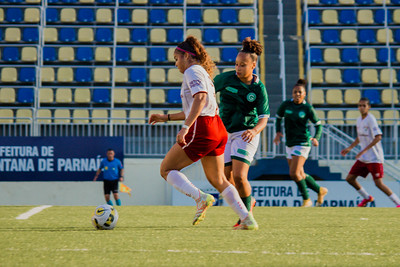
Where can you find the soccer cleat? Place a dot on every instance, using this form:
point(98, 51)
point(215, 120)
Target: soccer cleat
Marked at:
point(322, 193)
point(398, 206)
point(205, 201)
point(365, 202)
point(249, 223)
point(306, 203)
point(253, 203)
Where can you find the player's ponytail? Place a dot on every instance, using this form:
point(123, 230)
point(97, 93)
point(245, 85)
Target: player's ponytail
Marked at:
point(252, 47)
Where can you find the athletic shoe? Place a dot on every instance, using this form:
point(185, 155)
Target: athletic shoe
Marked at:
point(253, 203)
point(205, 201)
point(249, 223)
point(398, 206)
point(322, 193)
point(306, 203)
point(365, 202)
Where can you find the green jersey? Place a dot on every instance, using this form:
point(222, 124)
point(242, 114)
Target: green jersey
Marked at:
point(240, 104)
point(296, 119)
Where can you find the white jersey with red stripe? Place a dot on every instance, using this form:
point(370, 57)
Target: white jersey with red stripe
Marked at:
point(367, 129)
point(196, 80)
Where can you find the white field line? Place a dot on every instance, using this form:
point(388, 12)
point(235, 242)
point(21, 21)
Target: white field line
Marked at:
point(32, 212)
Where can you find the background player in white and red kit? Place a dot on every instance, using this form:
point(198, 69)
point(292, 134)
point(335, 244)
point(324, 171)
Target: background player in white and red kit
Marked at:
point(370, 159)
point(203, 135)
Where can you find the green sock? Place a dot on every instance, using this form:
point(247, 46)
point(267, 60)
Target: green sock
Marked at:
point(311, 183)
point(247, 202)
point(303, 188)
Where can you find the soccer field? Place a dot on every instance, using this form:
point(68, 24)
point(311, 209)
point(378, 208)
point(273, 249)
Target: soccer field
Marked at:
point(164, 236)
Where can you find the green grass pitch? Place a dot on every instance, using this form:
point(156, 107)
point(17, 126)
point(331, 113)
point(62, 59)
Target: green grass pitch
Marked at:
point(164, 236)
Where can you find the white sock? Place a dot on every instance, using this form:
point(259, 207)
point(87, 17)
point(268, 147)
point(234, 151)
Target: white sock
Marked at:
point(182, 184)
point(231, 195)
point(363, 193)
point(395, 199)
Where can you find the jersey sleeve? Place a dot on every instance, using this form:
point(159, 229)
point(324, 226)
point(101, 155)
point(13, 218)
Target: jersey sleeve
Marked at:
point(263, 103)
point(279, 116)
point(195, 81)
point(373, 125)
point(120, 166)
point(101, 164)
point(315, 120)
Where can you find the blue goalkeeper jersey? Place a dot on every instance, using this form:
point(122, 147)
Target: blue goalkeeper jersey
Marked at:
point(111, 169)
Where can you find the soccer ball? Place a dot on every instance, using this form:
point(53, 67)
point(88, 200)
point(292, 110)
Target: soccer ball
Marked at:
point(105, 217)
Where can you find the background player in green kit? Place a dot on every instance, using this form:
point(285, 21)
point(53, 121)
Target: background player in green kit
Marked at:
point(244, 110)
point(297, 112)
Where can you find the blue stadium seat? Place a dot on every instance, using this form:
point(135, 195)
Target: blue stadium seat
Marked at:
point(395, 2)
point(124, 1)
point(52, 15)
point(175, 2)
point(1, 34)
point(124, 15)
point(347, 16)
point(350, 55)
point(212, 36)
point(228, 16)
point(138, 75)
point(30, 35)
point(330, 36)
point(193, 16)
point(379, 16)
point(103, 35)
point(85, 15)
point(364, 2)
point(14, 15)
point(105, 1)
point(83, 75)
point(210, 2)
point(11, 54)
point(366, 36)
point(383, 55)
point(52, 1)
point(247, 33)
point(174, 96)
point(228, 2)
point(49, 54)
point(328, 2)
point(157, 1)
point(314, 17)
point(229, 54)
point(14, 1)
point(101, 95)
point(25, 95)
point(157, 16)
point(397, 36)
point(139, 35)
point(84, 54)
point(69, 1)
point(351, 76)
point(157, 54)
point(67, 35)
point(316, 55)
point(373, 95)
point(175, 35)
point(27, 75)
point(122, 54)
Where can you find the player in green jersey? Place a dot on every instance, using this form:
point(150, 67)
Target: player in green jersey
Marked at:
point(297, 112)
point(244, 110)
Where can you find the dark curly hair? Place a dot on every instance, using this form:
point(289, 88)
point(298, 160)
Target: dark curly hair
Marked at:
point(252, 47)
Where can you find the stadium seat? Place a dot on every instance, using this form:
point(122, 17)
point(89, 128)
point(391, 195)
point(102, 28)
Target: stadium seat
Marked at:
point(85, 35)
point(391, 116)
point(214, 53)
point(63, 95)
point(313, 36)
point(65, 74)
point(352, 116)
point(122, 54)
point(334, 96)
point(66, 54)
point(102, 54)
point(50, 35)
point(84, 54)
point(316, 97)
point(157, 16)
point(210, 16)
point(30, 35)
point(157, 55)
point(193, 16)
point(321, 115)
point(138, 75)
point(347, 16)
point(383, 55)
point(348, 36)
point(124, 15)
point(11, 54)
point(103, 35)
point(101, 96)
point(381, 14)
point(352, 96)
point(332, 55)
point(14, 15)
point(328, 2)
point(174, 76)
point(44, 116)
point(27, 75)
point(373, 95)
point(314, 17)
point(170, 54)
point(212, 36)
point(330, 16)
point(364, 2)
point(28, 54)
point(369, 76)
point(315, 55)
point(82, 95)
point(195, 32)
point(366, 36)
point(23, 116)
point(175, 16)
point(229, 54)
point(333, 76)
point(100, 116)
point(12, 35)
point(384, 35)
point(80, 116)
point(351, 76)
point(137, 116)
point(316, 76)
point(157, 96)
point(46, 95)
point(174, 96)
point(49, 54)
point(47, 74)
point(102, 75)
point(139, 35)
point(397, 36)
point(67, 35)
point(138, 96)
point(121, 75)
point(335, 117)
point(157, 75)
point(83, 75)
point(123, 35)
point(389, 96)
point(396, 16)
point(365, 16)
point(175, 35)
point(243, 33)
point(139, 16)
point(139, 54)
point(52, 15)
point(31, 15)
point(7, 95)
point(229, 36)
point(330, 36)
point(6, 116)
point(120, 95)
point(228, 16)
point(104, 15)
point(85, 15)
point(9, 75)
point(388, 76)
point(62, 116)
point(158, 36)
point(25, 95)
point(118, 116)
point(368, 55)
point(350, 55)
point(68, 15)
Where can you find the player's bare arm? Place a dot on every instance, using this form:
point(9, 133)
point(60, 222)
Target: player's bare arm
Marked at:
point(373, 143)
point(277, 138)
point(249, 134)
point(347, 150)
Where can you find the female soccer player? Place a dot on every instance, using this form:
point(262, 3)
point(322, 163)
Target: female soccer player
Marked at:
point(244, 110)
point(203, 135)
point(297, 112)
point(370, 158)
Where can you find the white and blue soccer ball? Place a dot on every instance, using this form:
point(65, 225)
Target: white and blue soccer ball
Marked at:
point(105, 217)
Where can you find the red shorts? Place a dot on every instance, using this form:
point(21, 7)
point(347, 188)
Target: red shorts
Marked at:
point(362, 169)
point(206, 137)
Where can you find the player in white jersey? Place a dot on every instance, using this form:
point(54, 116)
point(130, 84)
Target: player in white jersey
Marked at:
point(203, 135)
point(370, 159)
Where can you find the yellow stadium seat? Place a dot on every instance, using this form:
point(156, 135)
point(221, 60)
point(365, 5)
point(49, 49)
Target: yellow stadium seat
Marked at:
point(85, 35)
point(46, 95)
point(6, 116)
point(44, 116)
point(396, 16)
point(28, 54)
point(33, 1)
point(390, 96)
point(174, 76)
point(312, 2)
point(335, 117)
point(334, 96)
point(316, 97)
point(157, 75)
point(123, 35)
point(50, 35)
point(102, 54)
point(248, 2)
point(210, 16)
point(100, 116)
point(102, 75)
point(137, 116)
point(66, 54)
point(194, 32)
point(330, 16)
point(390, 116)
point(23, 116)
point(140, 2)
point(103, 15)
point(62, 116)
point(332, 55)
point(9, 75)
point(246, 16)
point(120, 95)
point(7, 95)
point(380, 2)
point(352, 116)
point(65, 74)
point(321, 115)
point(369, 76)
point(333, 76)
point(214, 53)
point(158, 36)
point(121, 75)
point(316, 76)
point(348, 36)
point(368, 55)
point(80, 116)
point(68, 15)
point(138, 96)
point(313, 36)
point(139, 54)
point(82, 95)
point(171, 51)
point(175, 16)
point(47, 74)
point(139, 16)
point(86, 1)
point(1, 15)
point(365, 16)
point(388, 76)
point(118, 116)
point(229, 36)
point(12, 35)
point(31, 15)
point(346, 2)
point(382, 34)
point(352, 96)
point(155, 111)
point(157, 96)
point(63, 95)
